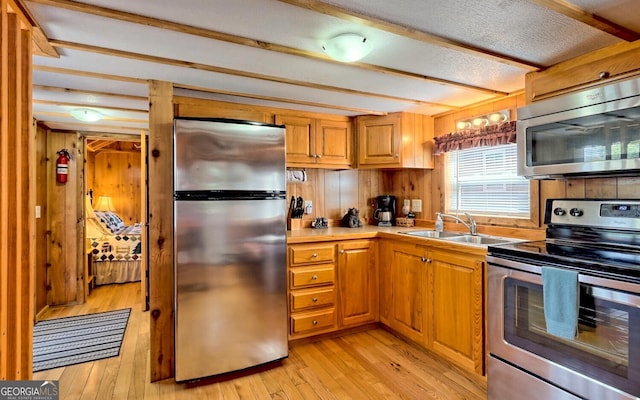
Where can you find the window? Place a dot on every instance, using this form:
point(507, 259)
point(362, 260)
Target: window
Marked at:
point(484, 181)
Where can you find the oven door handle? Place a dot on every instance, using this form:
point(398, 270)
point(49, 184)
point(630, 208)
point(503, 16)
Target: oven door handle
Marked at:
point(602, 288)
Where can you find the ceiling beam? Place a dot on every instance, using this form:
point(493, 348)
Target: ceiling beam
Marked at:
point(229, 71)
point(577, 13)
point(41, 46)
point(412, 33)
point(279, 99)
point(210, 34)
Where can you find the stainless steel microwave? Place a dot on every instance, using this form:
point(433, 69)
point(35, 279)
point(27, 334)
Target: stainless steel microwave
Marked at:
point(594, 132)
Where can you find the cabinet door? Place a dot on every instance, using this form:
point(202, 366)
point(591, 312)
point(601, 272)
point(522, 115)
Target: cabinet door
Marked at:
point(300, 139)
point(334, 143)
point(379, 140)
point(457, 305)
point(357, 282)
point(409, 268)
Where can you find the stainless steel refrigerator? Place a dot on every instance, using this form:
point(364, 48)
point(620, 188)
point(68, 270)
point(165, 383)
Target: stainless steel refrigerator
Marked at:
point(230, 246)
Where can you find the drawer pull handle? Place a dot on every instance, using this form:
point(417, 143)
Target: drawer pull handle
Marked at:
point(314, 278)
point(315, 322)
point(315, 299)
point(314, 255)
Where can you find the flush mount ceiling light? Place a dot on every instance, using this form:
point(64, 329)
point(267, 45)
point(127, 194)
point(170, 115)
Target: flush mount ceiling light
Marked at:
point(347, 47)
point(86, 114)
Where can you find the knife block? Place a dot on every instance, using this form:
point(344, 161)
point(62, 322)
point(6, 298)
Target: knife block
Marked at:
point(294, 224)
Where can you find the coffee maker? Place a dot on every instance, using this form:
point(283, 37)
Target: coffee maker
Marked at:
point(385, 212)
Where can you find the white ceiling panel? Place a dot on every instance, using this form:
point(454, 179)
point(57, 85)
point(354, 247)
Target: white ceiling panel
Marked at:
point(429, 56)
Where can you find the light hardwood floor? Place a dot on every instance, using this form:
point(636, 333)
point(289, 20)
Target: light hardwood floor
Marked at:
point(372, 364)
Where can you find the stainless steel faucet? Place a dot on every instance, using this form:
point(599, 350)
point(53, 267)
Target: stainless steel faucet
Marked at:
point(473, 227)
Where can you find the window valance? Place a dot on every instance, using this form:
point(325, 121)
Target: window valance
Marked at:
point(491, 135)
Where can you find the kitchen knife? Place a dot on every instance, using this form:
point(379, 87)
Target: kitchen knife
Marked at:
point(291, 206)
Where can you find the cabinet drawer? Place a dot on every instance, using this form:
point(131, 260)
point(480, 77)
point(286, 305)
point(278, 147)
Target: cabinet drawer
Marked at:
point(304, 299)
point(311, 254)
point(312, 276)
point(313, 321)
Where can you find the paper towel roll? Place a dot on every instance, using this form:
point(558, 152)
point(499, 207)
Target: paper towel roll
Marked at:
point(296, 175)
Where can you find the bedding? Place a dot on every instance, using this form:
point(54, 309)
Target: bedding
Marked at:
point(115, 248)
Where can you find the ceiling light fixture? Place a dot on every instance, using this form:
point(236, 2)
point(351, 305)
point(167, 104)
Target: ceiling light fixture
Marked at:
point(347, 47)
point(480, 121)
point(86, 114)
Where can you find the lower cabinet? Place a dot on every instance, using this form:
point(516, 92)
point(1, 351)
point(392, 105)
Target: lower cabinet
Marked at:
point(431, 295)
point(357, 282)
point(331, 285)
point(435, 298)
point(457, 325)
point(403, 289)
point(312, 290)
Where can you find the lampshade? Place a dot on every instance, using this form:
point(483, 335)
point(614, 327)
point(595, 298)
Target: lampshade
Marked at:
point(86, 114)
point(104, 204)
point(347, 47)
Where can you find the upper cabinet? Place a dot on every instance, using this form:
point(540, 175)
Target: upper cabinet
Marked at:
point(317, 143)
point(614, 62)
point(398, 140)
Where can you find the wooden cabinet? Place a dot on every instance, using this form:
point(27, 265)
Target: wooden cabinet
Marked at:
point(312, 289)
point(357, 282)
point(404, 290)
point(600, 66)
point(332, 285)
point(398, 140)
point(457, 306)
point(436, 298)
point(317, 143)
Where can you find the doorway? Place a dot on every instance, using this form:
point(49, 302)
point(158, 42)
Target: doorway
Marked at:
point(115, 186)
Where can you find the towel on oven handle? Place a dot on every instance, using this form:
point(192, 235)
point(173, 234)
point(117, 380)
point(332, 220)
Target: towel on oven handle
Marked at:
point(561, 301)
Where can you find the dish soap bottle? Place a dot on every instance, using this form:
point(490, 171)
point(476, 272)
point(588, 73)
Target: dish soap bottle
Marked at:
point(439, 223)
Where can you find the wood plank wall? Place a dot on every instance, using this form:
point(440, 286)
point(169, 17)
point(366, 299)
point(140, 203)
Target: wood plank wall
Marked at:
point(41, 236)
point(65, 252)
point(17, 224)
point(117, 173)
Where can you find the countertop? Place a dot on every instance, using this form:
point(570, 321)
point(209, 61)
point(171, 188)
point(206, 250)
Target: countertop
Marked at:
point(337, 233)
point(310, 235)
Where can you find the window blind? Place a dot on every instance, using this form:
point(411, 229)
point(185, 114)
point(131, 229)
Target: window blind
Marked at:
point(484, 181)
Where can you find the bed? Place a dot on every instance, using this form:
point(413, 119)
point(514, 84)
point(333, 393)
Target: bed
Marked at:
point(114, 248)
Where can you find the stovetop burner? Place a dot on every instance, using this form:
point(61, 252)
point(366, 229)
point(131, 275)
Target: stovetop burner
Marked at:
point(621, 264)
point(595, 237)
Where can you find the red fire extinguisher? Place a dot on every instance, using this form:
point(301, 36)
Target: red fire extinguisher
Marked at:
point(62, 166)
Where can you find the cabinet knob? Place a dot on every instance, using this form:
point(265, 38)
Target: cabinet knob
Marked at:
point(315, 322)
point(314, 255)
point(314, 278)
point(318, 155)
point(603, 74)
point(396, 155)
point(315, 299)
point(342, 251)
point(425, 260)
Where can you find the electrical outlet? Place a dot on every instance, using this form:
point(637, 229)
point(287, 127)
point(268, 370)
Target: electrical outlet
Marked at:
point(308, 206)
point(416, 205)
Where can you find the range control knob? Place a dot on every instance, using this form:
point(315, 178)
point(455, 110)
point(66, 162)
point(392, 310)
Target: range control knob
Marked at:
point(559, 211)
point(576, 212)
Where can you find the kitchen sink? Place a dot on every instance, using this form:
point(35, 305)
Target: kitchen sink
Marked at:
point(478, 239)
point(434, 234)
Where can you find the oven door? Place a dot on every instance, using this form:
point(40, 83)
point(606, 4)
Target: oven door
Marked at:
point(601, 362)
